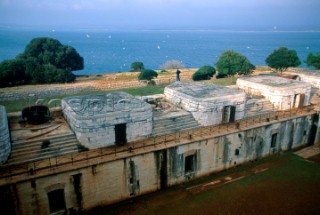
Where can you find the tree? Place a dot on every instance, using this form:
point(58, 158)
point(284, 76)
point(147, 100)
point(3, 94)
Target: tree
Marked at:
point(147, 74)
point(231, 63)
point(137, 66)
point(44, 60)
point(172, 64)
point(313, 60)
point(204, 73)
point(12, 72)
point(283, 58)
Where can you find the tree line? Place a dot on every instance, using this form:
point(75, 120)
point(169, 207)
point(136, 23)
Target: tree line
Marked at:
point(44, 60)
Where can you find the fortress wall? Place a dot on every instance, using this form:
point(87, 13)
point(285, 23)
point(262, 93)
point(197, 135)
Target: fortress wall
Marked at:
point(5, 145)
point(123, 178)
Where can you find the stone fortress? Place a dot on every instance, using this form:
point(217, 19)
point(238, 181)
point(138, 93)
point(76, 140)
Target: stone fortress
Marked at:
point(102, 149)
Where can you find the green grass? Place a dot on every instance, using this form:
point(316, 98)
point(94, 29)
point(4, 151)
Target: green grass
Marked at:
point(14, 106)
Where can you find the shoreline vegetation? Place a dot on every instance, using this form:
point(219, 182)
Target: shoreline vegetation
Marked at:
point(103, 79)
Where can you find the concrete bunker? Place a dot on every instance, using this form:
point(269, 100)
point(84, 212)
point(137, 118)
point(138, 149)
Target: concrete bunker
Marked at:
point(209, 104)
point(109, 119)
point(283, 93)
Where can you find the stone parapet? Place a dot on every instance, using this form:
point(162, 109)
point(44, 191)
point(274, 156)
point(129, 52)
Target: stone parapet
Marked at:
point(5, 145)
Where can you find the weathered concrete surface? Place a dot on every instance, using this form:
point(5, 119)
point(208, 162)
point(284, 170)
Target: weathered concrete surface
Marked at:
point(283, 93)
point(93, 118)
point(5, 145)
point(122, 178)
point(208, 103)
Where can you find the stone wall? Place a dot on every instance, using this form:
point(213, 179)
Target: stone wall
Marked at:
point(5, 145)
point(105, 183)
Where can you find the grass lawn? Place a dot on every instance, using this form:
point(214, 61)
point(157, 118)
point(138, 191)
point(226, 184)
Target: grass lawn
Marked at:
point(290, 185)
point(14, 106)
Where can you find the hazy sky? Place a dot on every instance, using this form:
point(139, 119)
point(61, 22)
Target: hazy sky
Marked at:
point(231, 13)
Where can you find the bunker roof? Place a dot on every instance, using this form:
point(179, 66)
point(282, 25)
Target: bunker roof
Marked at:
point(200, 91)
point(273, 82)
point(102, 104)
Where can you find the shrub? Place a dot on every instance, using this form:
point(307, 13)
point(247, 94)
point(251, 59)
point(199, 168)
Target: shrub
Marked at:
point(172, 64)
point(204, 73)
point(147, 74)
point(137, 66)
point(282, 58)
point(231, 63)
point(313, 60)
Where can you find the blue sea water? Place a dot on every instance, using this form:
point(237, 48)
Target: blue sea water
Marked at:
point(109, 51)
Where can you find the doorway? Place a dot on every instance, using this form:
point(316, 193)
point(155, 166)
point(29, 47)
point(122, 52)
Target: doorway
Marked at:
point(298, 100)
point(313, 130)
point(120, 134)
point(228, 114)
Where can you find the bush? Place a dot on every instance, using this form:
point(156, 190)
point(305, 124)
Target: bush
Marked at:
point(282, 58)
point(204, 73)
point(172, 64)
point(313, 60)
point(147, 74)
point(137, 66)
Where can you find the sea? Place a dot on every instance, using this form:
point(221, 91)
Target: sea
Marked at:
point(112, 51)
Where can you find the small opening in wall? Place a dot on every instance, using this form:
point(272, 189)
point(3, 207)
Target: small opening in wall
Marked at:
point(304, 132)
point(33, 184)
point(189, 163)
point(120, 134)
point(274, 140)
point(237, 152)
point(56, 200)
point(94, 169)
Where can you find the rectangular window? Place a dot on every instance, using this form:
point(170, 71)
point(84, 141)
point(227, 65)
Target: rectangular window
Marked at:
point(56, 200)
point(274, 140)
point(189, 163)
point(120, 134)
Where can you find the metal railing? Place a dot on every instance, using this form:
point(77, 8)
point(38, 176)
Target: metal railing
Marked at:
point(95, 156)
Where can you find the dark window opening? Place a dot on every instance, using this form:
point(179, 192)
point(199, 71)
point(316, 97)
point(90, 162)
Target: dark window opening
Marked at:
point(228, 114)
point(120, 134)
point(56, 200)
point(7, 201)
point(304, 132)
point(237, 152)
point(77, 188)
point(33, 184)
point(189, 164)
point(274, 140)
point(131, 180)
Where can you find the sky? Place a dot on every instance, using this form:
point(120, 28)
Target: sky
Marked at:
point(215, 13)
